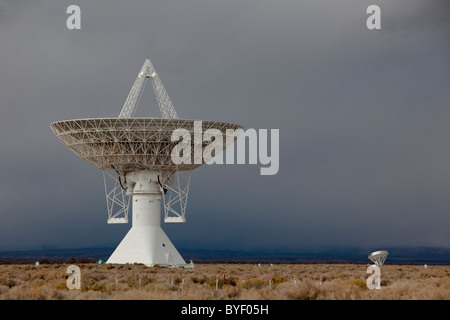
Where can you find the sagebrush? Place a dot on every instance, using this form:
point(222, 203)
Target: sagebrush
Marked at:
point(233, 282)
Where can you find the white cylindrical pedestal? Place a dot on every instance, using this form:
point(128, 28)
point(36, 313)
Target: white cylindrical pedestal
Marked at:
point(146, 242)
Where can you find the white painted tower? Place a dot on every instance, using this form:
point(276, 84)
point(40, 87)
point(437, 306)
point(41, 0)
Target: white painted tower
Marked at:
point(146, 242)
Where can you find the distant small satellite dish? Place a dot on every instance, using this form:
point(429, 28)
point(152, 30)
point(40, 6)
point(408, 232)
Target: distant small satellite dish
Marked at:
point(378, 257)
point(36, 264)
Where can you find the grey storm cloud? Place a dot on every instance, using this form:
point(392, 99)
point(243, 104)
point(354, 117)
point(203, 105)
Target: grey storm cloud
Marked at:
point(363, 118)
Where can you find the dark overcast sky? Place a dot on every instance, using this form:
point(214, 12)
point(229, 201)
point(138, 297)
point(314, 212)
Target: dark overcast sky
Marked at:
point(363, 117)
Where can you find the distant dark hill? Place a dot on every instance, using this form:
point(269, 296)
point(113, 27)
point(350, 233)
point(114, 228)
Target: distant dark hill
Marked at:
point(396, 256)
point(57, 255)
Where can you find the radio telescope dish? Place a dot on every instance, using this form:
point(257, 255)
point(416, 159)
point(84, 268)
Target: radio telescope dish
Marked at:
point(378, 257)
point(136, 153)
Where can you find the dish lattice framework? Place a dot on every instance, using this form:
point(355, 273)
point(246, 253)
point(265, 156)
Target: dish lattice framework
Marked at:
point(128, 144)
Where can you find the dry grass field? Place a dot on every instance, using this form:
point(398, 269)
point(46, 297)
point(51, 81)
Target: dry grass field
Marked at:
point(121, 282)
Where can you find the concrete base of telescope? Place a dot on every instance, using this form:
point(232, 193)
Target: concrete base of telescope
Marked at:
point(147, 245)
point(146, 242)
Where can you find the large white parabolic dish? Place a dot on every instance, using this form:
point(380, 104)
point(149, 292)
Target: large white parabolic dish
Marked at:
point(140, 151)
point(128, 144)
